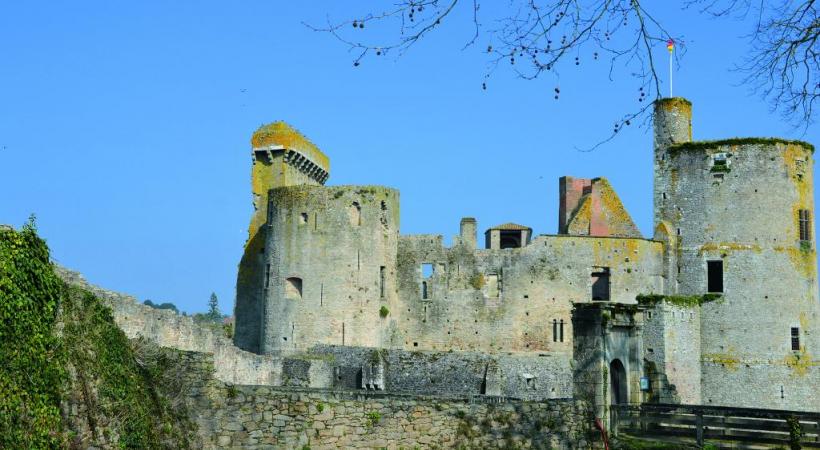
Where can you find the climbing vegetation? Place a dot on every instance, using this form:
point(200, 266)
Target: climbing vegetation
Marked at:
point(61, 347)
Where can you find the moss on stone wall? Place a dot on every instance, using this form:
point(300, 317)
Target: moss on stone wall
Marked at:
point(709, 145)
point(683, 301)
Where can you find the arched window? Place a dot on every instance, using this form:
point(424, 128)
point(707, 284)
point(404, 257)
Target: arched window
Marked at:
point(354, 212)
point(293, 288)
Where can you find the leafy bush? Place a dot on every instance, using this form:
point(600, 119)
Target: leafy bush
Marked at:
point(32, 370)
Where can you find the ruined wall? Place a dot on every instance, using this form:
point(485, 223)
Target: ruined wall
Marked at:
point(167, 329)
point(522, 376)
point(671, 337)
point(736, 202)
point(509, 300)
point(251, 417)
point(330, 266)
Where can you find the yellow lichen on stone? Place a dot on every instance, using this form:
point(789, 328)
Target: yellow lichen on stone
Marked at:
point(800, 362)
point(675, 104)
point(581, 218)
point(281, 134)
point(620, 222)
point(729, 360)
point(728, 247)
point(802, 260)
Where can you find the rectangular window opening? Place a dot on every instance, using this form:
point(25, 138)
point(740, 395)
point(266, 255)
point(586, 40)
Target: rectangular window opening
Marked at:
point(382, 270)
point(267, 276)
point(795, 339)
point(804, 216)
point(714, 272)
point(600, 284)
point(561, 330)
point(427, 270)
point(493, 285)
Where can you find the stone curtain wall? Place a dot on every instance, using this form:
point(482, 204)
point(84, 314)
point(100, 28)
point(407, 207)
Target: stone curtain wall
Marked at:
point(167, 329)
point(256, 417)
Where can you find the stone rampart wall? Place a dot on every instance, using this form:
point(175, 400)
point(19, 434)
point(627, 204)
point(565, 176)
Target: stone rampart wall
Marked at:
point(256, 417)
point(167, 329)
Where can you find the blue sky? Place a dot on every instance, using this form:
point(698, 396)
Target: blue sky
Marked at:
point(125, 128)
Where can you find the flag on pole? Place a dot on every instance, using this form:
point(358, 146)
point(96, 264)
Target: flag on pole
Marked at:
point(670, 45)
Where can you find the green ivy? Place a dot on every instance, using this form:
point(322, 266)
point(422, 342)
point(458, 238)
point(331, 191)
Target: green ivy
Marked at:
point(32, 361)
point(47, 327)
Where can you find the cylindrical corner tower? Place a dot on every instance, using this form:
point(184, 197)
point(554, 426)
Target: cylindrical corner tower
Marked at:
point(742, 212)
point(330, 267)
point(281, 157)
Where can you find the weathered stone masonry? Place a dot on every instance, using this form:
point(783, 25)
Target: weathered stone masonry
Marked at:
point(327, 267)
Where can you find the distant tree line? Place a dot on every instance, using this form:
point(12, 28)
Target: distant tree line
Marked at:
point(213, 318)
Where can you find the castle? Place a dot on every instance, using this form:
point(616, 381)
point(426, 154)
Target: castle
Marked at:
point(719, 306)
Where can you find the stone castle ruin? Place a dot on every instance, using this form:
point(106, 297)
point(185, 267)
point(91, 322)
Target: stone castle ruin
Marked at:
point(718, 307)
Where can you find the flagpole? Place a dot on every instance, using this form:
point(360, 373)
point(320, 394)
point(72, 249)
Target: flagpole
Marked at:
point(670, 73)
point(670, 45)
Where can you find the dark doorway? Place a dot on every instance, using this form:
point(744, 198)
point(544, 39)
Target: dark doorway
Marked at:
point(617, 376)
point(714, 273)
point(600, 284)
point(510, 239)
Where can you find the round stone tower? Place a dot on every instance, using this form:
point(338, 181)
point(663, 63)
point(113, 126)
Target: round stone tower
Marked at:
point(330, 266)
point(281, 156)
point(742, 214)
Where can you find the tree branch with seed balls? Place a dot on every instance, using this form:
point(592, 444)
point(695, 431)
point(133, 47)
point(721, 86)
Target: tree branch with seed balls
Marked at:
point(534, 38)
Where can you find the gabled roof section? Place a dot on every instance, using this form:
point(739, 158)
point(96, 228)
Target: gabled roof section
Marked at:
point(509, 226)
point(599, 212)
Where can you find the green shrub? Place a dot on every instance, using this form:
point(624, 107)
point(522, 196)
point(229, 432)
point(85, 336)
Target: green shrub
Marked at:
point(383, 312)
point(32, 372)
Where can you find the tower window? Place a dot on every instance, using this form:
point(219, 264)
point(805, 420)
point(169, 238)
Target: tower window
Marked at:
point(554, 330)
point(293, 288)
point(381, 281)
point(714, 274)
point(303, 218)
point(354, 212)
point(561, 330)
point(425, 292)
point(804, 216)
point(796, 339)
point(600, 284)
point(267, 276)
point(493, 286)
point(426, 270)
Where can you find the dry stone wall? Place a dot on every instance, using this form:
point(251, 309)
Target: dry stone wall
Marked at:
point(262, 417)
